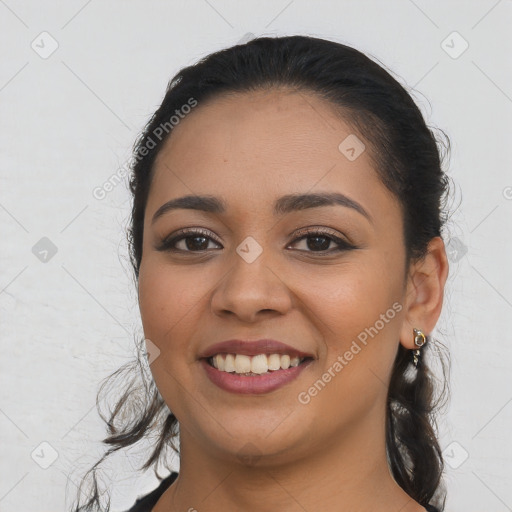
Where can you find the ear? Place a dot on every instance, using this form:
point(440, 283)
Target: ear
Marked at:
point(424, 292)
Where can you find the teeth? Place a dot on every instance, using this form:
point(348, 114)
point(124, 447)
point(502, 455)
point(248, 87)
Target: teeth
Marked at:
point(259, 364)
point(219, 362)
point(295, 361)
point(242, 364)
point(274, 362)
point(229, 363)
point(253, 365)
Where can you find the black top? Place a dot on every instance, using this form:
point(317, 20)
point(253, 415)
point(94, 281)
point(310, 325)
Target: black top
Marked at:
point(147, 502)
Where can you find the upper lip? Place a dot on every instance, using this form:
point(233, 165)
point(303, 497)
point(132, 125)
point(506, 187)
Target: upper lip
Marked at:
point(252, 348)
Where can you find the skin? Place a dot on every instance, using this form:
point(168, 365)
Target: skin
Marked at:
point(250, 149)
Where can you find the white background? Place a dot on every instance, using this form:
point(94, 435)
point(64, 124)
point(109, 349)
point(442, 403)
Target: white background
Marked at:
point(67, 124)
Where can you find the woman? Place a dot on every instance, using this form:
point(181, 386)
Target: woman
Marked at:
point(286, 240)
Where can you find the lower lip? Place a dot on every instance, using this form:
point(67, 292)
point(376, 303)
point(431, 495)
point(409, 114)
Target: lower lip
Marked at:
point(257, 384)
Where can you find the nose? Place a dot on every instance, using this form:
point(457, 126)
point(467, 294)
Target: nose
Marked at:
point(251, 291)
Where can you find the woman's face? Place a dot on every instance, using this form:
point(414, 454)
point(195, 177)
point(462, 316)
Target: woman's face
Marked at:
point(335, 293)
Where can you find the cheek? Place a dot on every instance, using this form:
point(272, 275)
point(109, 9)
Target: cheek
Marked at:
point(169, 304)
point(167, 297)
point(352, 297)
point(356, 309)
point(357, 312)
point(155, 299)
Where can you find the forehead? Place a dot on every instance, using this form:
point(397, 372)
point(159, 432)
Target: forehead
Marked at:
point(264, 144)
point(283, 121)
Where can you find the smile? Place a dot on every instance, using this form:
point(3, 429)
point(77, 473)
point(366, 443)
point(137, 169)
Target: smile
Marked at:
point(249, 375)
point(253, 365)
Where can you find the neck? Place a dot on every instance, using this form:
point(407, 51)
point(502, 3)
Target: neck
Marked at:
point(351, 474)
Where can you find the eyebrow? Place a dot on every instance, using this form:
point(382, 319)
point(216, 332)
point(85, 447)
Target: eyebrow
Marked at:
point(285, 204)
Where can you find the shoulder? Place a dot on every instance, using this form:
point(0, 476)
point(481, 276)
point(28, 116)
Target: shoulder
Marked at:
point(147, 502)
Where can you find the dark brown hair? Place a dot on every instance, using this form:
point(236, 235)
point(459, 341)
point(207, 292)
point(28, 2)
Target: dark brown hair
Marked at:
point(407, 158)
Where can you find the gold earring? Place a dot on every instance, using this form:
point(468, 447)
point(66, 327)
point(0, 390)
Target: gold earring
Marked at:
point(419, 341)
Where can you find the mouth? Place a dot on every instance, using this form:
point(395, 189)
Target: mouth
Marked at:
point(256, 365)
point(253, 366)
point(237, 375)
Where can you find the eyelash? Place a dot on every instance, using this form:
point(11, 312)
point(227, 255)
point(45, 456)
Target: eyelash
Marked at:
point(168, 243)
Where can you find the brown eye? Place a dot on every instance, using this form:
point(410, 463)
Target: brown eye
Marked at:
point(321, 241)
point(190, 240)
point(193, 243)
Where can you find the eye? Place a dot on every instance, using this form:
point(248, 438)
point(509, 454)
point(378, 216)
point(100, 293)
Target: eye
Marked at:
point(196, 240)
point(319, 240)
point(191, 240)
